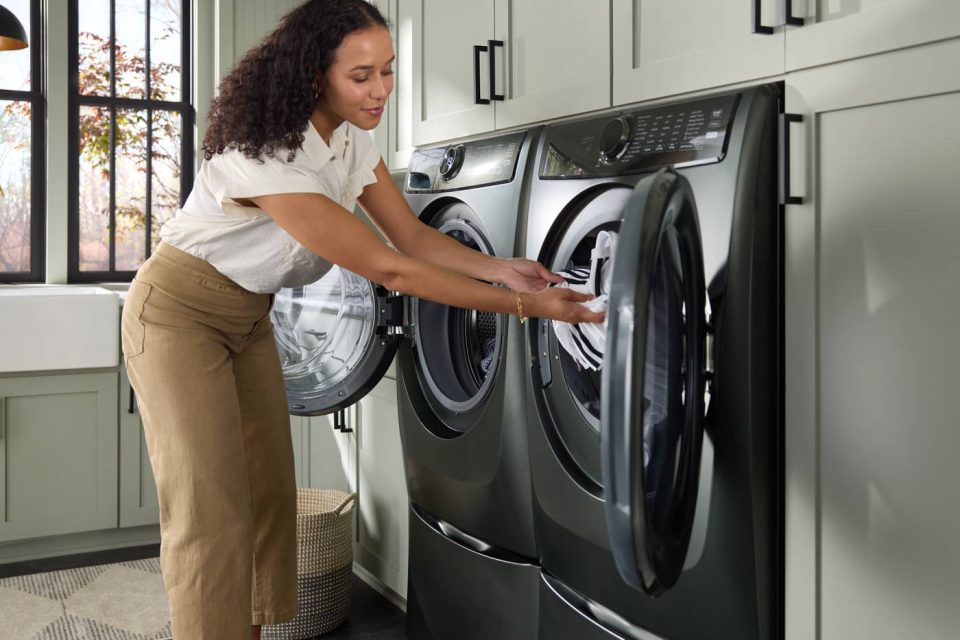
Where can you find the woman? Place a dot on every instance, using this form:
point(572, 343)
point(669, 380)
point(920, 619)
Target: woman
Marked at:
point(287, 157)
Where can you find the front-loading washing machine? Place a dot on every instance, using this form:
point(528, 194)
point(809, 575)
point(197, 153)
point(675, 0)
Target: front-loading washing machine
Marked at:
point(657, 480)
point(473, 569)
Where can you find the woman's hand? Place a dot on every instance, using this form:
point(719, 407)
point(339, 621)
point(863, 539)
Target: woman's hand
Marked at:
point(562, 304)
point(526, 276)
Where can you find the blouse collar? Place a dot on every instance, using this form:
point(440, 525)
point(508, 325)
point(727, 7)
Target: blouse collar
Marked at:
point(318, 150)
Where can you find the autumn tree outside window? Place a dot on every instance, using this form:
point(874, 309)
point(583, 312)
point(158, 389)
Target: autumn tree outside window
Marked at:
point(132, 131)
point(22, 151)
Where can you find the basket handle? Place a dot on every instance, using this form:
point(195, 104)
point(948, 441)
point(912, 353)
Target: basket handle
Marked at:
point(343, 505)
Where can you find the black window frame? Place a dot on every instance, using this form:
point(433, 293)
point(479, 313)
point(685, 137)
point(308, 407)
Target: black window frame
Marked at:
point(113, 103)
point(38, 145)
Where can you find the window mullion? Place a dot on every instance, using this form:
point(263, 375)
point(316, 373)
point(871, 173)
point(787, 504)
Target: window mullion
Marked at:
point(11, 94)
point(146, 50)
point(113, 189)
point(133, 103)
point(112, 237)
point(38, 83)
point(186, 77)
point(187, 116)
point(148, 205)
point(38, 154)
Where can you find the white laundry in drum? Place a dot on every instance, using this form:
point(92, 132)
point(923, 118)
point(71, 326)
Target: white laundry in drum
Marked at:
point(585, 342)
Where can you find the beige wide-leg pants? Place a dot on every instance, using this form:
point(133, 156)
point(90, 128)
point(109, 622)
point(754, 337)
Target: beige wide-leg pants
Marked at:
point(201, 357)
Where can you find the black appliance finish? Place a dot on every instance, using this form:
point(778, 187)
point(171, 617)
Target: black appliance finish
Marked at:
point(658, 482)
point(473, 571)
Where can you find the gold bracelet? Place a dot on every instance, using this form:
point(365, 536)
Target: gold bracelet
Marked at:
point(523, 318)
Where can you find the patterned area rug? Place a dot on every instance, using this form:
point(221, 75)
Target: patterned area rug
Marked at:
point(123, 601)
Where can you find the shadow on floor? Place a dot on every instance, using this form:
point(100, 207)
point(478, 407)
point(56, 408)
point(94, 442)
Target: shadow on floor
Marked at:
point(371, 617)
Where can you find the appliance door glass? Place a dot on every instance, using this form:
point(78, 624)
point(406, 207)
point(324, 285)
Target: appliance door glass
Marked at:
point(652, 391)
point(458, 350)
point(331, 348)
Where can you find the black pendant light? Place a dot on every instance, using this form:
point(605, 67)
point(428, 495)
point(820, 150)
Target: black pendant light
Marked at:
point(12, 33)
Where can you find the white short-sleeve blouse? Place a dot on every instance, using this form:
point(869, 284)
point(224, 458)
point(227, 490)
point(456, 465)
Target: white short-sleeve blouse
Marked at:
point(244, 243)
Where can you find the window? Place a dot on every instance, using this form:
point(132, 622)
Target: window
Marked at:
point(131, 131)
point(21, 151)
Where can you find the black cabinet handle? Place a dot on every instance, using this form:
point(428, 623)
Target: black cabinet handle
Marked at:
point(791, 19)
point(131, 406)
point(340, 422)
point(758, 27)
point(477, 50)
point(492, 44)
point(786, 119)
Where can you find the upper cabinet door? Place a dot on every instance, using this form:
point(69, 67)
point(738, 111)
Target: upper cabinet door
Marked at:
point(445, 73)
point(663, 48)
point(836, 30)
point(554, 60)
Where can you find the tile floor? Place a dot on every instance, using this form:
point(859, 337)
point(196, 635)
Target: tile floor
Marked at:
point(371, 616)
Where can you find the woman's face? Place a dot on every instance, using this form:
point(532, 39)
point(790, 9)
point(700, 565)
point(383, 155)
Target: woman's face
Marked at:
point(358, 82)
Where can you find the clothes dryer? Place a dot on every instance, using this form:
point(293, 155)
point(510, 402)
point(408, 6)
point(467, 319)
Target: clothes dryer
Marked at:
point(657, 481)
point(473, 569)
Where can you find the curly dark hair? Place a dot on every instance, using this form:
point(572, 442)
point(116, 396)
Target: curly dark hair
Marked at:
point(264, 103)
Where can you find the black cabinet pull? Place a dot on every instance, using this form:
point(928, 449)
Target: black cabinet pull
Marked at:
point(758, 26)
point(791, 19)
point(477, 50)
point(131, 406)
point(340, 422)
point(786, 119)
point(492, 44)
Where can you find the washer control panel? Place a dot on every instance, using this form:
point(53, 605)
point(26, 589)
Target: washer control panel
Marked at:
point(463, 165)
point(640, 140)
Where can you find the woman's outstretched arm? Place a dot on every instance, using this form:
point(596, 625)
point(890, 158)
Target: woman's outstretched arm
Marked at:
point(335, 234)
point(386, 207)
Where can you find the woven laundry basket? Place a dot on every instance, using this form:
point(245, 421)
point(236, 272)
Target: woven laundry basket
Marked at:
point(324, 564)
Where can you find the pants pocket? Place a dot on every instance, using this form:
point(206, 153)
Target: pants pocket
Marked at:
point(132, 329)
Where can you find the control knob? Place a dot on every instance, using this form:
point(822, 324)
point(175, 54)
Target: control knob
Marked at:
point(451, 161)
point(614, 139)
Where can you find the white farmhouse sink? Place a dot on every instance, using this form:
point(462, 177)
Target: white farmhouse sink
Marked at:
point(50, 327)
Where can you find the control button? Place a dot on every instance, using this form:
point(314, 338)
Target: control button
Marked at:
point(614, 139)
point(451, 162)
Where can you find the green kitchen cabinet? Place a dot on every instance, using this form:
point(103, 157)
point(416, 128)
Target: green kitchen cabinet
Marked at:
point(872, 516)
point(58, 454)
point(138, 491)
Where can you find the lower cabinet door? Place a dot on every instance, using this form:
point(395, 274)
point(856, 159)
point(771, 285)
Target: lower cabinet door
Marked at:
point(58, 454)
point(870, 305)
point(138, 491)
point(383, 534)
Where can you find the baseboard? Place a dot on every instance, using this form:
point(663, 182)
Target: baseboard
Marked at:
point(78, 543)
point(77, 560)
point(377, 585)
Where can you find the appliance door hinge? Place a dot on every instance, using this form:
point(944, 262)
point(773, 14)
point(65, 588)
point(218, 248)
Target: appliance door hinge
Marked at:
point(394, 314)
